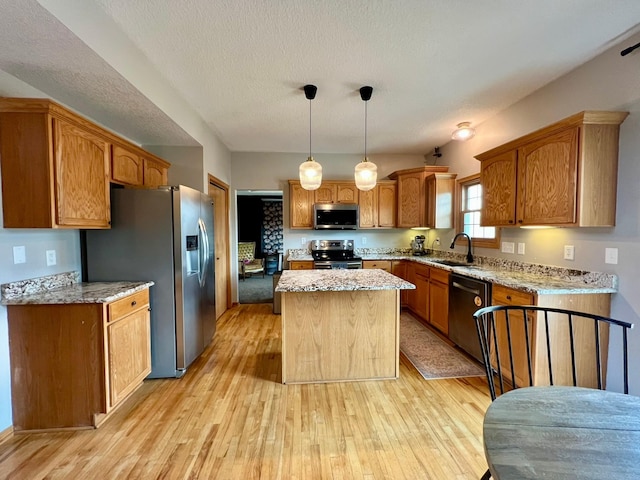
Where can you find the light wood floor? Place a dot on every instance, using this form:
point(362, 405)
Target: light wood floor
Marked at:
point(230, 417)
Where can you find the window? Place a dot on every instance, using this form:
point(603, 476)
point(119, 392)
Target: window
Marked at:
point(469, 211)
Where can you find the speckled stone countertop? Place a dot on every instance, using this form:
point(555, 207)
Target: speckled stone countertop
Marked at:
point(340, 280)
point(527, 277)
point(64, 289)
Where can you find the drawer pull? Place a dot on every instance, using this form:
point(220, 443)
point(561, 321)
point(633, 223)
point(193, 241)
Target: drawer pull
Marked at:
point(508, 297)
point(134, 303)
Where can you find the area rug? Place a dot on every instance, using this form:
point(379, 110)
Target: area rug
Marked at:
point(431, 356)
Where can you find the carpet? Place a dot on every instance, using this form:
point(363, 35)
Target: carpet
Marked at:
point(256, 289)
point(431, 356)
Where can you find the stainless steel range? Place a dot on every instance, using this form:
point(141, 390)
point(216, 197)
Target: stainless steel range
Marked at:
point(329, 254)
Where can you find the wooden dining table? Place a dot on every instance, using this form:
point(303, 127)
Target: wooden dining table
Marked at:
point(563, 433)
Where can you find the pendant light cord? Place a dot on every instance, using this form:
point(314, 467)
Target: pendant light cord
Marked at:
point(365, 131)
point(310, 129)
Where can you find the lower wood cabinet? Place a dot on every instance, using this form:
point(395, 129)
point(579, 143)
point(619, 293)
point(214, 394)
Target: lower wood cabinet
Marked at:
point(418, 299)
point(72, 364)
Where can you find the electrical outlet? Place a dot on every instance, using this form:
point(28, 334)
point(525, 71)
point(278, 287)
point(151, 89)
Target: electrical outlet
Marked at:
point(520, 248)
point(364, 240)
point(437, 241)
point(19, 254)
point(51, 258)
point(303, 241)
point(569, 252)
point(611, 256)
point(508, 247)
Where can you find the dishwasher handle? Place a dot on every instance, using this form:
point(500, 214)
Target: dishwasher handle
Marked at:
point(455, 284)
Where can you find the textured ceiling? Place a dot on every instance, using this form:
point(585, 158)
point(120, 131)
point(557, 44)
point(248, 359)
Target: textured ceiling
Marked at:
point(241, 64)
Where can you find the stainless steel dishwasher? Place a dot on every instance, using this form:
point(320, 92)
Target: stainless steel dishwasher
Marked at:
point(466, 295)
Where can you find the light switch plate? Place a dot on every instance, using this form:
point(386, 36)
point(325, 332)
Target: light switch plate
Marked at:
point(611, 256)
point(520, 248)
point(508, 247)
point(364, 240)
point(19, 254)
point(569, 252)
point(303, 241)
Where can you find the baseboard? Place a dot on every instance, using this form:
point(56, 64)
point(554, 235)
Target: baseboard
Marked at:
point(6, 434)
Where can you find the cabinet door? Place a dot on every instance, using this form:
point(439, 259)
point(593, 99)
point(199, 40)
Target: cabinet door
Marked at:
point(387, 204)
point(155, 173)
point(326, 193)
point(547, 180)
point(126, 166)
point(346, 193)
point(506, 296)
point(368, 208)
point(439, 190)
point(300, 206)
point(411, 200)
point(439, 299)
point(399, 269)
point(81, 170)
point(421, 281)
point(128, 353)
point(498, 178)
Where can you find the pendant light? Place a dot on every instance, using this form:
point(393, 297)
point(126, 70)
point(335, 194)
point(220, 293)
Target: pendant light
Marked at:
point(366, 172)
point(464, 131)
point(310, 171)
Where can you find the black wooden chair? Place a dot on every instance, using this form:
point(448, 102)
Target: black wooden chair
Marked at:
point(524, 346)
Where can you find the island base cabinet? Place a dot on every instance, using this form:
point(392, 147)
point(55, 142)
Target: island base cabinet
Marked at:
point(340, 336)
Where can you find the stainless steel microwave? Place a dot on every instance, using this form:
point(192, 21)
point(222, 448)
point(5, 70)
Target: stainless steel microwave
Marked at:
point(335, 216)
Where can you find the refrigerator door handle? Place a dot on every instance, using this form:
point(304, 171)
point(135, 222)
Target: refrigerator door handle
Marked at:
point(204, 252)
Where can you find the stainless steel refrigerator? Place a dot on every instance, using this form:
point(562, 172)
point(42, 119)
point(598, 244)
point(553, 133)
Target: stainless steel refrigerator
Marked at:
point(164, 235)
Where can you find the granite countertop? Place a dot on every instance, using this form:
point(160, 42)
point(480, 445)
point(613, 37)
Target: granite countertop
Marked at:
point(340, 280)
point(92, 292)
point(530, 278)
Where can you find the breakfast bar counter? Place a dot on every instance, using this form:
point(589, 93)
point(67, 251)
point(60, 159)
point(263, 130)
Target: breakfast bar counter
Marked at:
point(340, 325)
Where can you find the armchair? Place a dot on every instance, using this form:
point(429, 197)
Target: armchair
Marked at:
point(247, 263)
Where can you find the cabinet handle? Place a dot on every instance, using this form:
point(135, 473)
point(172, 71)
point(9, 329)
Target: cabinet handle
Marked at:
point(134, 303)
point(520, 221)
point(511, 221)
point(508, 297)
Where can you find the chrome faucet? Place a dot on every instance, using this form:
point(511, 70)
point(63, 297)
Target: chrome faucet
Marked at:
point(453, 244)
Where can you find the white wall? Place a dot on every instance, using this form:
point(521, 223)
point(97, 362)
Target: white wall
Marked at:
point(186, 164)
point(608, 82)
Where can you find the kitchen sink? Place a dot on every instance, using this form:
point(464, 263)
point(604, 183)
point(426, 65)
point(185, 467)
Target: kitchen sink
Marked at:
point(452, 263)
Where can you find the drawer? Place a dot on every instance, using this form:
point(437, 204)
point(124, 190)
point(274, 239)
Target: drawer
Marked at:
point(301, 265)
point(508, 296)
point(125, 306)
point(422, 270)
point(382, 264)
point(439, 275)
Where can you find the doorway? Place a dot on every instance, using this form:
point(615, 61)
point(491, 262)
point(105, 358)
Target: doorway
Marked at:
point(260, 218)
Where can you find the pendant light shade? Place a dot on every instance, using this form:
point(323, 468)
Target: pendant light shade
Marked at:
point(310, 171)
point(464, 132)
point(366, 172)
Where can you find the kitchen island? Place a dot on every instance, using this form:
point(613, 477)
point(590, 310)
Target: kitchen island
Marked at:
point(340, 325)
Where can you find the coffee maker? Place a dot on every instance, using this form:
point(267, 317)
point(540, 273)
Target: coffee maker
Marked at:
point(417, 245)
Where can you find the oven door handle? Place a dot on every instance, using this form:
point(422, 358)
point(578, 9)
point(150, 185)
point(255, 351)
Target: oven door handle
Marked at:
point(466, 289)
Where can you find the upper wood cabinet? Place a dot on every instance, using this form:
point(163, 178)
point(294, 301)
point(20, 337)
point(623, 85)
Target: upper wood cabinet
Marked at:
point(336, 192)
point(55, 167)
point(133, 167)
point(412, 195)
point(564, 174)
point(155, 172)
point(378, 206)
point(300, 206)
point(439, 192)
